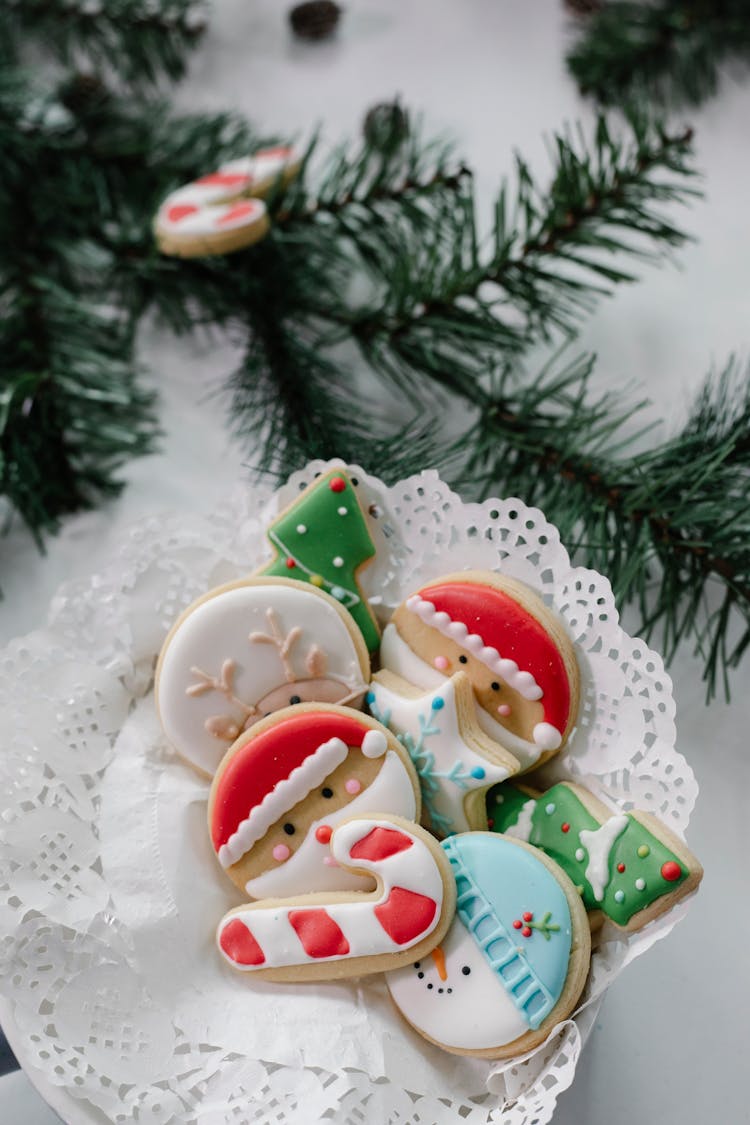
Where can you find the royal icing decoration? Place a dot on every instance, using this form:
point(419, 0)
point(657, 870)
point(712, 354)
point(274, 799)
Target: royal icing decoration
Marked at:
point(502, 644)
point(404, 910)
point(279, 773)
point(503, 965)
point(619, 866)
point(246, 650)
point(199, 215)
point(448, 762)
point(323, 539)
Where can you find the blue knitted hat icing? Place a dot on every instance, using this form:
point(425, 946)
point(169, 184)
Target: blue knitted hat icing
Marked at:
point(497, 883)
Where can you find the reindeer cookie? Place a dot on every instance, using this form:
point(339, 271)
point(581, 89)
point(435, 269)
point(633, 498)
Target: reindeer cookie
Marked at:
point(627, 867)
point(288, 782)
point(514, 961)
point(325, 936)
point(247, 649)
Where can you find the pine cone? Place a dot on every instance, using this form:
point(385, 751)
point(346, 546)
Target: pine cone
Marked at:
point(386, 125)
point(84, 94)
point(315, 19)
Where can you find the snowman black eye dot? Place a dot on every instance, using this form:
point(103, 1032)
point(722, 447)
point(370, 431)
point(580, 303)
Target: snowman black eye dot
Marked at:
point(449, 990)
point(495, 685)
point(429, 986)
point(355, 482)
point(295, 699)
point(466, 970)
point(289, 829)
point(327, 792)
point(417, 964)
point(420, 976)
point(463, 660)
point(440, 991)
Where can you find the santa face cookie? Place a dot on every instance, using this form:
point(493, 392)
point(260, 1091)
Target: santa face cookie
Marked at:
point(514, 650)
point(513, 963)
point(285, 785)
point(627, 867)
point(333, 935)
point(248, 649)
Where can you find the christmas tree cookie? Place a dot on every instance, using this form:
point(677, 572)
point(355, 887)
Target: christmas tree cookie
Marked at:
point(627, 867)
point(323, 538)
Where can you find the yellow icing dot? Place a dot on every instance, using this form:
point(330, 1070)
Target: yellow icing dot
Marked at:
point(316, 580)
point(579, 888)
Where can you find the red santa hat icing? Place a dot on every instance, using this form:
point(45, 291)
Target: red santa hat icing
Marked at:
point(276, 769)
point(509, 640)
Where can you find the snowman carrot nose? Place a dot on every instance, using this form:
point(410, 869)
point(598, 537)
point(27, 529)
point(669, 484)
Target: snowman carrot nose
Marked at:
point(439, 958)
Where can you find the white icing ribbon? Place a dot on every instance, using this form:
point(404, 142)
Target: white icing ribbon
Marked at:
point(598, 842)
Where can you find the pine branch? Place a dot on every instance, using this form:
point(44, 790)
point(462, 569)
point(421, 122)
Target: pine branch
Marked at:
point(656, 522)
point(137, 40)
point(671, 51)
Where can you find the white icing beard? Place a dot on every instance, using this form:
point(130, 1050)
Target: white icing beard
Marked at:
point(476, 1013)
point(390, 792)
point(398, 657)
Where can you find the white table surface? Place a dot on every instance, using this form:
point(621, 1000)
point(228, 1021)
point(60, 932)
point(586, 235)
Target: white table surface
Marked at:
point(669, 1040)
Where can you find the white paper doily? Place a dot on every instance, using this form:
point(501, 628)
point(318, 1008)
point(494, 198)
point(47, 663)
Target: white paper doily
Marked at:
point(109, 890)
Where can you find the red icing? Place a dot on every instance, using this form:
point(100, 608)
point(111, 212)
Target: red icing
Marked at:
point(621, 867)
point(291, 563)
point(517, 924)
point(528, 916)
point(267, 758)
point(239, 944)
point(337, 484)
point(319, 934)
point(239, 211)
point(405, 915)
point(526, 931)
point(380, 843)
point(224, 179)
point(180, 211)
point(671, 871)
point(566, 827)
point(503, 624)
point(323, 834)
point(277, 150)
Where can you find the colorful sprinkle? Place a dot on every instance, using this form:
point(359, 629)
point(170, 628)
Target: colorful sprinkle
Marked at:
point(517, 924)
point(640, 884)
point(301, 529)
point(580, 855)
point(342, 511)
point(619, 896)
point(526, 931)
point(579, 888)
point(528, 916)
point(565, 827)
point(438, 704)
point(291, 563)
point(644, 850)
point(478, 772)
point(337, 484)
point(316, 580)
point(621, 867)
point(353, 785)
point(338, 592)
point(671, 871)
point(323, 833)
point(550, 808)
point(338, 561)
point(281, 852)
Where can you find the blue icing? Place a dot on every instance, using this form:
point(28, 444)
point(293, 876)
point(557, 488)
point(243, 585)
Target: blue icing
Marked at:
point(497, 882)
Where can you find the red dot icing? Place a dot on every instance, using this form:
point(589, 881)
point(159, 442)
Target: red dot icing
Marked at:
point(323, 833)
point(621, 867)
point(526, 931)
point(671, 871)
point(405, 915)
point(566, 827)
point(517, 924)
point(528, 916)
point(337, 484)
point(291, 563)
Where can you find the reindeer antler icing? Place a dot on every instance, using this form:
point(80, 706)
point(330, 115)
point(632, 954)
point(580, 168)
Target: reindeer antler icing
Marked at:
point(280, 642)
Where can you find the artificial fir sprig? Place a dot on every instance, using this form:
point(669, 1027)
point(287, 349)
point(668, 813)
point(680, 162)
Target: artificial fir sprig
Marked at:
point(670, 51)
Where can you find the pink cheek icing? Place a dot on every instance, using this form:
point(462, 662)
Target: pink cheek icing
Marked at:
point(441, 663)
point(280, 853)
point(504, 709)
point(352, 785)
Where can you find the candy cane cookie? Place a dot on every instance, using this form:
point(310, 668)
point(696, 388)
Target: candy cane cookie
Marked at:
point(325, 936)
point(223, 211)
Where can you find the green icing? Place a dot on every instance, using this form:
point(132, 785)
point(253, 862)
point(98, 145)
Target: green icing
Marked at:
point(328, 534)
point(504, 806)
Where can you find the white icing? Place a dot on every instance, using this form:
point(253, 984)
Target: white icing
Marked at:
point(413, 869)
point(508, 671)
point(390, 791)
point(522, 828)
point(398, 657)
point(447, 747)
point(219, 629)
point(374, 744)
point(598, 843)
point(477, 1013)
point(528, 753)
point(284, 796)
point(214, 201)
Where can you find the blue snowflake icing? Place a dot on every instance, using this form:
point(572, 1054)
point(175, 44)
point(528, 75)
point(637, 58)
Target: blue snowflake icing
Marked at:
point(423, 759)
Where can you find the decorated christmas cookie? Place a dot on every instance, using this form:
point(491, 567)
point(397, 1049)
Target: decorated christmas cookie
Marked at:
point(627, 867)
point(513, 963)
point(283, 787)
point(322, 538)
point(514, 650)
point(250, 648)
point(457, 763)
point(325, 936)
point(223, 211)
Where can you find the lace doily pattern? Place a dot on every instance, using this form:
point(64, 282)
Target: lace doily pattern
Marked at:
point(106, 963)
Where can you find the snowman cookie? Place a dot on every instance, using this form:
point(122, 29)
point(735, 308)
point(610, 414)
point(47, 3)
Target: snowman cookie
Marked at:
point(513, 963)
point(326, 936)
point(627, 867)
point(515, 651)
point(247, 649)
point(285, 785)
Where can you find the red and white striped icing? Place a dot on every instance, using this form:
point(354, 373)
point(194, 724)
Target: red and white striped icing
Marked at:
point(407, 909)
